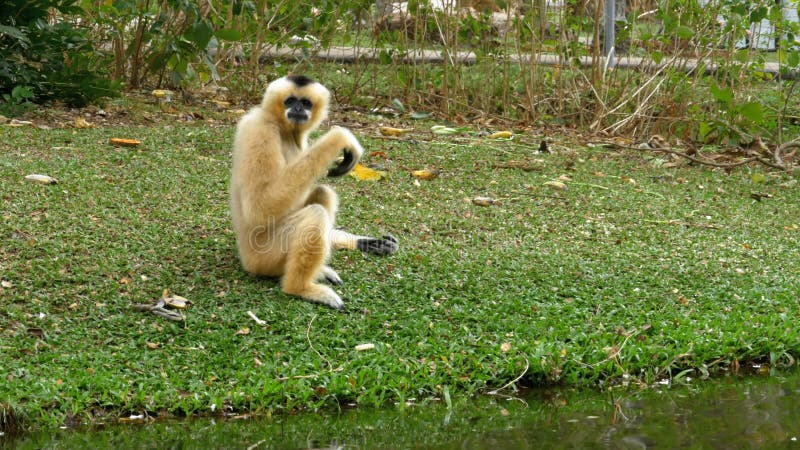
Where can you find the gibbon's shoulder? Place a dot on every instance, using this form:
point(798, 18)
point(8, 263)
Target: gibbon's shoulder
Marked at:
point(255, 117)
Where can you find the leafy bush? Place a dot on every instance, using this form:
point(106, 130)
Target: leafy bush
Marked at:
point(51, 61)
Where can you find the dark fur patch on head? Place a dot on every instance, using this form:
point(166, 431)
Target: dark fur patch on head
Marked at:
point(300, 80)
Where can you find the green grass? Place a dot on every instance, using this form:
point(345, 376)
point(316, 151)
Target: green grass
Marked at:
point(606, 280)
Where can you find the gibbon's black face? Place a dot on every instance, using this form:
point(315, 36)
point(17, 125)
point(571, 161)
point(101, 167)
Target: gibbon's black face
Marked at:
point(298, 109)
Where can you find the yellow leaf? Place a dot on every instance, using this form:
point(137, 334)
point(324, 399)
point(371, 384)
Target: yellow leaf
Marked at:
point(363, 173)
point(391, 131)
point(501, 135)
point(425, 174)
point(244, 331)
point(556, 185)
point(505, 347)
point(163, 93)
point(80, 122)
point(124, 142)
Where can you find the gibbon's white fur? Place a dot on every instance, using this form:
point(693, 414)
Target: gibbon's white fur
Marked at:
point(284, 221)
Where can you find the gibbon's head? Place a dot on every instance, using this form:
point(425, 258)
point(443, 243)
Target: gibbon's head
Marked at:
point(298, 102)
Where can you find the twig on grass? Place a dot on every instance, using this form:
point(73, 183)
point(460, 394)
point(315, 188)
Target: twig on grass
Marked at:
point(330, 366)
point(254, 446)
point(705, 162)
point(616, 352)
point(524, 371)
point(780, 149)
point(254, 317)
point(308, 338)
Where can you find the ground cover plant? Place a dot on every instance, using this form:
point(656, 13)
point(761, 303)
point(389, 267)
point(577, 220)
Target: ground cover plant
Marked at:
point(587, 266)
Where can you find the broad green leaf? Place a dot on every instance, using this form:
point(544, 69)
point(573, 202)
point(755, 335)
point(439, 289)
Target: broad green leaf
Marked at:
point(684, 32)
point(14, 33)
point(704, 129)
point(752, 111)
point(793, 58)
point(228, 34)
point(199, 34)
point(724, 95)
point(657, 56)
point(385, 57)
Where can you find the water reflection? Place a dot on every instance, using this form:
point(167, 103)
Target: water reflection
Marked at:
point(727, 413)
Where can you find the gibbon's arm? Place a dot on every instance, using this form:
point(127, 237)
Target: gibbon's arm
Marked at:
point(272, 185)
point(316, 160)
point(257, 167)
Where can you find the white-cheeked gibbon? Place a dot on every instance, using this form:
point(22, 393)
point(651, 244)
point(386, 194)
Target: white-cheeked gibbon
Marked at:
point(284, 221)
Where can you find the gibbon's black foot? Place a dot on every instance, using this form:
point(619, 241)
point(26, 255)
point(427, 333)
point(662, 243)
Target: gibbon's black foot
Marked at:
point(347, 164)
point(336, 281)
point(383, 246)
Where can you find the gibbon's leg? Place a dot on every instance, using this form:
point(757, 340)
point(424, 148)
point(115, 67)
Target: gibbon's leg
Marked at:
point(307, 249)
point(325, 196)
point(342, 240)
point(261, 253)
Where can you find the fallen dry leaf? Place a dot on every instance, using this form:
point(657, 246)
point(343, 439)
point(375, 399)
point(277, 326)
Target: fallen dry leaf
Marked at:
point(555, 185)
point(483, 201)
point(363, 173)
point(378, 154)
point(391, 131)
point(505, 347)
point(35, 332)
point(163, 94)
point(122, 142)
point(244, 332)
point(81, 122)
point(20, 123)
point(362, 347)
point(176, 301)
point(425, 174)
point(42, 179)
point(500, 135)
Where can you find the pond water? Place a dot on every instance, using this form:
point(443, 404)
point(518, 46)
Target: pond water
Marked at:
point(730, 412)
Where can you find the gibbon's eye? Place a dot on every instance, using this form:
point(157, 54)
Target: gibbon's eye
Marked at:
point(290, 101)
point(306, 103)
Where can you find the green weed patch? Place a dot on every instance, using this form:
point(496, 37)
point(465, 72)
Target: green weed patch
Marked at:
point(633, 272)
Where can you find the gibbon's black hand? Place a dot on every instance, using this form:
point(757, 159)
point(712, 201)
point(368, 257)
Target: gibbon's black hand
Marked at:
point(343, 167)
point(383, 246)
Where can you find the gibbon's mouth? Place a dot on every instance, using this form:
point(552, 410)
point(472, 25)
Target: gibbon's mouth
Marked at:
point(297, 117)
